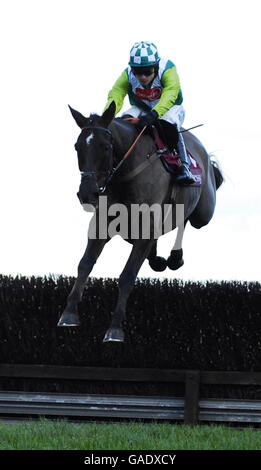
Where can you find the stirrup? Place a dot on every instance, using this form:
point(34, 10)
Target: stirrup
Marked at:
point(185, 178)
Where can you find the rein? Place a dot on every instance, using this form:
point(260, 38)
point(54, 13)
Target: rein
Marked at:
point(142, 165)
point(114, 170)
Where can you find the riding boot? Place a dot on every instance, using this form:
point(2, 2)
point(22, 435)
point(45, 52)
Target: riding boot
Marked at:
point(184, 176)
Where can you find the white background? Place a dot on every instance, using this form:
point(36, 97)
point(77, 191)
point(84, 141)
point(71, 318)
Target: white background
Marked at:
point(55, 53)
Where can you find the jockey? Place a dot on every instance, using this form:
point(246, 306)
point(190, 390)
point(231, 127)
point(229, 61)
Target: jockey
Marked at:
point(153, 86)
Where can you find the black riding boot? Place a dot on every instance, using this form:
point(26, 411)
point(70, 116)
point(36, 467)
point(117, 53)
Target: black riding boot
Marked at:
point(184, 176)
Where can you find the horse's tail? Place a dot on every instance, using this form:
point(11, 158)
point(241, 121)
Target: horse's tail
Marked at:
point(219, 178)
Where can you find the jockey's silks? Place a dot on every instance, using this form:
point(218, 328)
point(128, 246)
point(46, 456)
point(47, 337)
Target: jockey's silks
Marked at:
point(163, 93)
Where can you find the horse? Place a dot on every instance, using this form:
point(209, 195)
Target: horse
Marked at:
point(140, 179)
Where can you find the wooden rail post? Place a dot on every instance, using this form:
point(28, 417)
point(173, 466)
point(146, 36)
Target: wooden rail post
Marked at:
point(191, 405)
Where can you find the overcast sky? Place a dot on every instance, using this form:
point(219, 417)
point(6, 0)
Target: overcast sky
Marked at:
point(55, 52)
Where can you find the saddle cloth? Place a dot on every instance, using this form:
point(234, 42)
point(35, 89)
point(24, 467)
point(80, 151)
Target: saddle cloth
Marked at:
point(171, 161)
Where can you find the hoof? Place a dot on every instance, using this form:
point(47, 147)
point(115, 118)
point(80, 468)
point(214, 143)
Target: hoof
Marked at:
point(158, 263)
point(68, 319)
point(114, 335)
point(175, 260)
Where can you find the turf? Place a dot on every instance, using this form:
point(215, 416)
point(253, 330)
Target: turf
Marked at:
point(62, 435)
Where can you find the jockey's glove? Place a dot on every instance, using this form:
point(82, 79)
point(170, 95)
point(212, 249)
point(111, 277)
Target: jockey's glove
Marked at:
point(148, 118)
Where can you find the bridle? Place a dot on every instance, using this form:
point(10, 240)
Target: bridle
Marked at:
point(93, 173)
point(110, 173)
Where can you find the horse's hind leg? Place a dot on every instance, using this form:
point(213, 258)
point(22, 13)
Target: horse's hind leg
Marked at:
point(157, 263)
point(139, 252)
point(70, 315)
point(175, 259)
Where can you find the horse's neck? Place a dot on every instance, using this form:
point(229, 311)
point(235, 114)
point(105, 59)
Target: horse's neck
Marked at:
point(123, 137)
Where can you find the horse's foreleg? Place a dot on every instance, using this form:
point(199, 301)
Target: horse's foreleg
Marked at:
point(127, 278)
point(70, 315)
point(175, 260)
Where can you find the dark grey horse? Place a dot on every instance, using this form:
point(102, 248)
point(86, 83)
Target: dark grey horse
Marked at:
point(140, 179)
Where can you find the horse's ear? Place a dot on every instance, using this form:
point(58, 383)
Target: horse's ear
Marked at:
point(79, 118)
point(109, 114)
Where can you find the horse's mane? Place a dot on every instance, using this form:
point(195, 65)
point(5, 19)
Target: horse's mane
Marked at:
point(120, 123)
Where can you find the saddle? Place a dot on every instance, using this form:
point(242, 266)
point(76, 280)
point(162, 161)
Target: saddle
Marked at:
point(170, 159)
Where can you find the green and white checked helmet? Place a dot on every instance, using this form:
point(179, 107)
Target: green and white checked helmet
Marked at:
point(144, 54)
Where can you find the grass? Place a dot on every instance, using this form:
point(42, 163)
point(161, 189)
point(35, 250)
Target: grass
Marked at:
point(62, 435)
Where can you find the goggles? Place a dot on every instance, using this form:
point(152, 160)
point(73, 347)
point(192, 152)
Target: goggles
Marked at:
point(147, 71)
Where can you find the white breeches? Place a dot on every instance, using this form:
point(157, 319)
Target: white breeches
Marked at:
point(175, 115)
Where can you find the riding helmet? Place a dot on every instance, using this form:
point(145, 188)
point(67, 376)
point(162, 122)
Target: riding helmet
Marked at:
point(144, 54)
